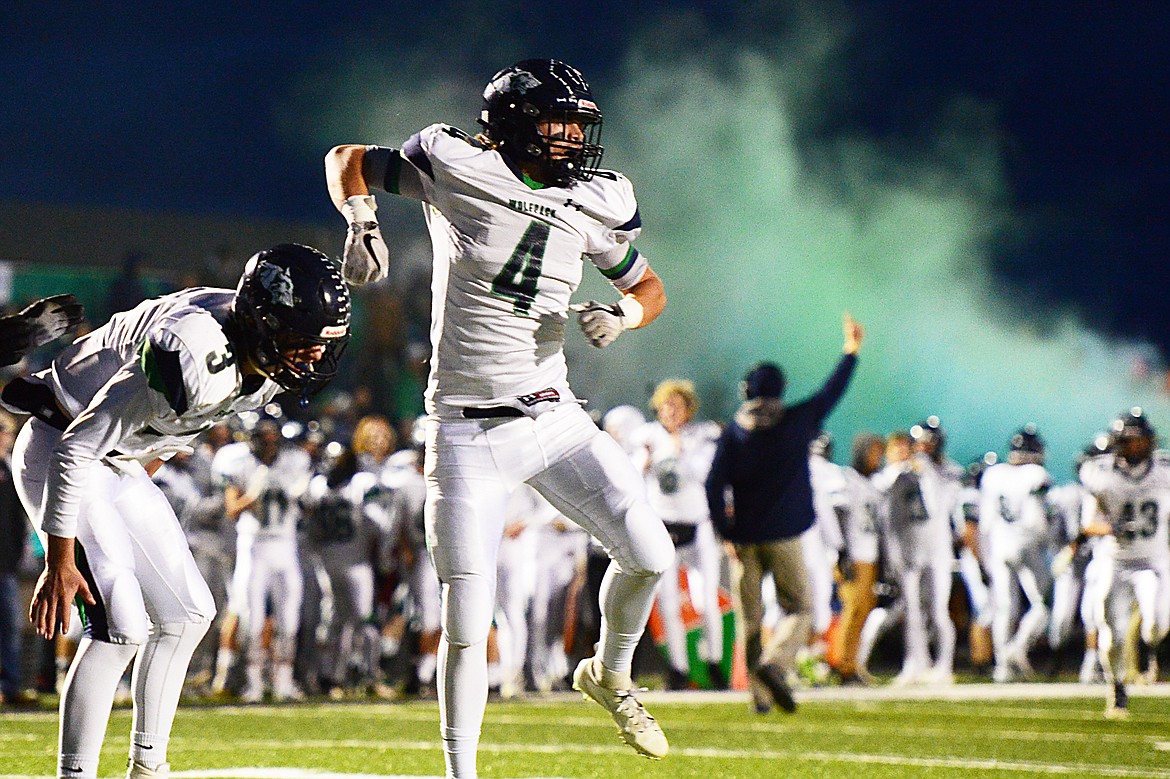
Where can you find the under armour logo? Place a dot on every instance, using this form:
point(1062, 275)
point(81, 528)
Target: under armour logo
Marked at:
point(570, 203)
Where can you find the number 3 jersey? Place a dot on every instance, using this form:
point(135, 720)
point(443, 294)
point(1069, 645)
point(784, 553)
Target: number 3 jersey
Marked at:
point(143, 386)
point(1136, 502)
point(507, 257)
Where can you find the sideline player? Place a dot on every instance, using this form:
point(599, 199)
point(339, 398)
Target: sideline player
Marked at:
point(107, 412)
point(1013, 517)
point(1131, 487)
point(674, 452)
point(264, 480)
point(511, 213)
point(857, 567)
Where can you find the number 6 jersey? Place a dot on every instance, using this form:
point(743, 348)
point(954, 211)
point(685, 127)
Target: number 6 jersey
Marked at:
point(1136, 501)
point(507, 257)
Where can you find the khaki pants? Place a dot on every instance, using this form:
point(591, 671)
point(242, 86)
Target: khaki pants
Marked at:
point(785, 561)
point(857, 601)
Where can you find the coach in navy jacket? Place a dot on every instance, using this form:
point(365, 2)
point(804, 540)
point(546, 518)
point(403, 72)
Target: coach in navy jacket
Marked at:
point(763, 457)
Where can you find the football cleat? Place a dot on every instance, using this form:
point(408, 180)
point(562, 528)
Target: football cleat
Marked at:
point(635, 725)
point(139, 771)
point(1117, 706)
point(772, 678)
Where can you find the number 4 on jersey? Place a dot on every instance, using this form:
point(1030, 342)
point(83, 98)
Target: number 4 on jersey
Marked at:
point(517, 280)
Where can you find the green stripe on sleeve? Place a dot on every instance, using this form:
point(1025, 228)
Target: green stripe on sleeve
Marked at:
point(619, 270)
point(393, 171)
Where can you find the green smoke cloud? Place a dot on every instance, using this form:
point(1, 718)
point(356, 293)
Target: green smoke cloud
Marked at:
point(763, 242)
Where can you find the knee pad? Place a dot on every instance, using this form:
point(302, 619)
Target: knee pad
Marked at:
point(185, 632)
point(467, 610)
point(648, 550)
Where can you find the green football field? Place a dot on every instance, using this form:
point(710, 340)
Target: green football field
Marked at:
point(985, 731)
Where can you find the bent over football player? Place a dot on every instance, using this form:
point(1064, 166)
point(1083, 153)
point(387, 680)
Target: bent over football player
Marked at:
point(105, 414)
point(512, 212)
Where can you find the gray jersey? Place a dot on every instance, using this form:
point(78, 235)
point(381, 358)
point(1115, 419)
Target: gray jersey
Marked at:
point(343, 523)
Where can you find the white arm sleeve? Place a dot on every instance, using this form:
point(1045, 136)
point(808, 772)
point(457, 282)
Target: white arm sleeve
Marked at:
point(124, 405)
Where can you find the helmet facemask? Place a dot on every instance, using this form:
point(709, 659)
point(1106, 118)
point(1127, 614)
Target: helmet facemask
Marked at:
point(534, 92)
point(1133, 438)
point(562, 159)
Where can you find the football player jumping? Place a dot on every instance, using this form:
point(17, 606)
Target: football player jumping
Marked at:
point(511, 213)
point(106, 413)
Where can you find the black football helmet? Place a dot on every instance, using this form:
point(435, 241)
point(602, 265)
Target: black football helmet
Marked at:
point(1026, 446)
point(973, 473)
point(1132, 437)
point(928, 435)
point(539, 90)
point(289, 297)
point(822, 445)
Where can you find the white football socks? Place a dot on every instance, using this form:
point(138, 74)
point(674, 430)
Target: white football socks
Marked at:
point(159, 674)
point(626, 601)
point(86, 699)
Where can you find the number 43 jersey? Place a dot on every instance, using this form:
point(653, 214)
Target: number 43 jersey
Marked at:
point(1136, 502)
point(507, 257)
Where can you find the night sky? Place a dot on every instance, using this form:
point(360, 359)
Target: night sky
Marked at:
point(229, 111)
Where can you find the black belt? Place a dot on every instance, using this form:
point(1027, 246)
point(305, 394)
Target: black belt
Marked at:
point(491, 412)
point(36, 399)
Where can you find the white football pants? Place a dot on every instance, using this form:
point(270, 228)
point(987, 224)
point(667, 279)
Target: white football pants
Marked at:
point(471, 467)
point(151, 601)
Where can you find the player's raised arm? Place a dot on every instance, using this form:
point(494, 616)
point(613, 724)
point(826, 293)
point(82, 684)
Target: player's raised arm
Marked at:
point(365, 258)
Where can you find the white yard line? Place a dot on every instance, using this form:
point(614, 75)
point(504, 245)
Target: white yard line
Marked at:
point(815, 756)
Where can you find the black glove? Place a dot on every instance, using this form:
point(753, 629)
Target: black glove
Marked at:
point(45, 320)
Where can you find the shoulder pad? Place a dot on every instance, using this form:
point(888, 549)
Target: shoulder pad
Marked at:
point(709, 429)
point(189, 360)
point(364, 481)
point(1094, 469)
point(455, 132)
point(438, 145)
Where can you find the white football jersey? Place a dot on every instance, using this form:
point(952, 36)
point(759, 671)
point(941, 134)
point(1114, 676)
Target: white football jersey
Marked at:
point(1136, 503)
point(142, 386)
point(277, 513)
point(861, 531)
point(408, 494)
point(1013, 501)
point(676, 468)
point(1065, 502)
point(830, 492)
point(941, 483)
point(507, 257)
